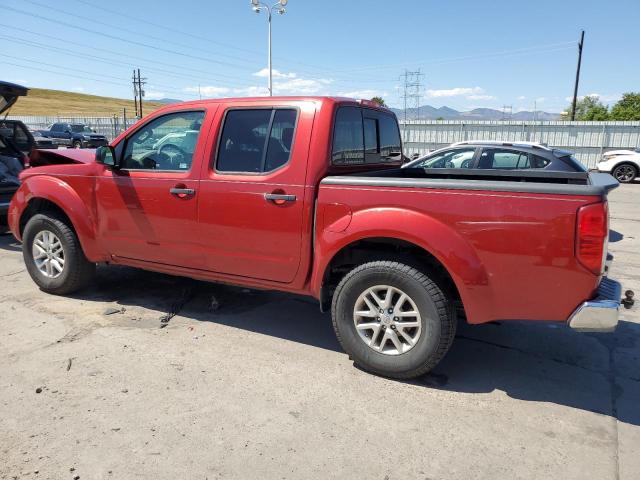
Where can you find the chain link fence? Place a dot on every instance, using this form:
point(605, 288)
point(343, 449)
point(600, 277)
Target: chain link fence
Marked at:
point(589, 140)
point(110, 126)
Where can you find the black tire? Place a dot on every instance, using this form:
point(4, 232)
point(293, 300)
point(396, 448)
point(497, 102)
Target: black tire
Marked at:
point(77, 144)
point(77, 272)
point(437, 312)
point(625, 172)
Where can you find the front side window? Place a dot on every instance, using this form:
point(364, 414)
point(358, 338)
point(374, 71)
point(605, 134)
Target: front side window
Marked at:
point(454, 158)
point(256, 141)
point(502, 159)
point(165, 143)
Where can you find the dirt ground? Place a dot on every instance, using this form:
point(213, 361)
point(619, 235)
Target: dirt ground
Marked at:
point(150, 376)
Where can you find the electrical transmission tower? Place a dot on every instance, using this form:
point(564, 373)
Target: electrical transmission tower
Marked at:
point(138, 92)
point(507, 112)
point(412, 91)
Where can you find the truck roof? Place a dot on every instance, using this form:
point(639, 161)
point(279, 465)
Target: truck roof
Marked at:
point(275, 99)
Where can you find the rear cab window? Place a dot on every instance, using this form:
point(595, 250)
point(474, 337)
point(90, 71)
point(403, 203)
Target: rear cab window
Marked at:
point(363, 136)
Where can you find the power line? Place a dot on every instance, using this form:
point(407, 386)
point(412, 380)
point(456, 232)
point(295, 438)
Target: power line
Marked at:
point(514, 52)
point(73, 53)
point(115, 37)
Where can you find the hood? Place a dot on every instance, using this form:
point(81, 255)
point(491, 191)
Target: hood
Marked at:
point(621, 152)
point(61, 156)
point(9, 93)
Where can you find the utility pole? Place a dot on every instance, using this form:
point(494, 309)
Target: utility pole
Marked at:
point(412, 84)
point(575, 88)
point(138, 92)
point(135, 92)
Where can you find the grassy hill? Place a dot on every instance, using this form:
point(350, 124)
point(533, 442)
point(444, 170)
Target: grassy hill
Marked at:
point(41, 101)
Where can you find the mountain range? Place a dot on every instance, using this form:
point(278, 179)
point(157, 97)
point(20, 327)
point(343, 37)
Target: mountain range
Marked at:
point(427, 112)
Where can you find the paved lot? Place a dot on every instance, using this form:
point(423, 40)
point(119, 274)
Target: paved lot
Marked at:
point(244, 384)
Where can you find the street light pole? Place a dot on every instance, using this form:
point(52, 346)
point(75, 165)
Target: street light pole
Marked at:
point(258, 7)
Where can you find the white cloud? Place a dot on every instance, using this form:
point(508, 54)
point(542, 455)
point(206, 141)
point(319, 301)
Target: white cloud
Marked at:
point(455, 92)
point(606, 98)
point(287, 84)
point(78, 89)
point(481, 97)
point(541, 99)
point(264, 73)
point(522, 97)
point(367, 94)
point(154, 95)
point(208, 90)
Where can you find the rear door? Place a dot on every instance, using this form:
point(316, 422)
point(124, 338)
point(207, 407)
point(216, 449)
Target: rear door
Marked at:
point(252, 192)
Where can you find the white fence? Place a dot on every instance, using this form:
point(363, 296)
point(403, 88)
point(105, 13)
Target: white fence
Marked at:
point(589, 140)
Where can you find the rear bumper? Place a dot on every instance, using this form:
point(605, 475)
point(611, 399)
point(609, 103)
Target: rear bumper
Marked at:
point(600, 314)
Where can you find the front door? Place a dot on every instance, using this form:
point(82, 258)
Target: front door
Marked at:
point(148, 207)
point(252, 204)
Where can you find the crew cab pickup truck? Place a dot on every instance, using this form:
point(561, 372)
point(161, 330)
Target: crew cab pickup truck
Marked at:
point(306, 195)
point(77, 135)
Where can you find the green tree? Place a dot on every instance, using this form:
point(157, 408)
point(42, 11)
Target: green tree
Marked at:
point(588, 108)
point(379, 101)
point(628, 108)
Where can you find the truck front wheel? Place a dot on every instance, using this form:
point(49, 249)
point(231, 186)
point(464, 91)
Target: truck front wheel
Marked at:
point(392, 319)
point(53, 255)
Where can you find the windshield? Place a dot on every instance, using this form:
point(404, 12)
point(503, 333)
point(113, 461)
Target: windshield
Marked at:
point(81, 129)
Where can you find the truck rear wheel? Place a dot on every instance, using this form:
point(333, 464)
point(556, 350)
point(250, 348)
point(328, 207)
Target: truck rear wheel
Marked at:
point(392, 319)
point(53, 255)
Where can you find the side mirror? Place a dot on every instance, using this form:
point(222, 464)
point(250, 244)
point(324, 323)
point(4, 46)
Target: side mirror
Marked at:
point(106, 155)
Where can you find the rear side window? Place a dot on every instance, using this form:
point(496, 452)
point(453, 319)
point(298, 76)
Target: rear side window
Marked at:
point(256, 141)
point(538, 162)
point(365, 136)
point(348, 141)
point(503, 159)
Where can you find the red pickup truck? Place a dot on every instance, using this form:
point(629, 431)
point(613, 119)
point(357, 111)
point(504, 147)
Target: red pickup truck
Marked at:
point(305, 195)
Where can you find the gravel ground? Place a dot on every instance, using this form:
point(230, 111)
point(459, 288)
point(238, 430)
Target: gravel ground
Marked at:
point(150, 376)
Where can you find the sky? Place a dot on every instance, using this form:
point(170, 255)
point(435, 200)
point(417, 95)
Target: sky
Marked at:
point(470, 53)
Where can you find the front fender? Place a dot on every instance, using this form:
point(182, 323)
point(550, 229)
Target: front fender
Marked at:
point(450, 248)
point(60, 193)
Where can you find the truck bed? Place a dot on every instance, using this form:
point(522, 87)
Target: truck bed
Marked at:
point(532, 181)
point(508, 237)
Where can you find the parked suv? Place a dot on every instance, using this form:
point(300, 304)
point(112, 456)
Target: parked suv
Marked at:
point(77, 135)
point(624, 165)
point(499, 156)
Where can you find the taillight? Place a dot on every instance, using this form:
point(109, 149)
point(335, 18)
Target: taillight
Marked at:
point(592, 235)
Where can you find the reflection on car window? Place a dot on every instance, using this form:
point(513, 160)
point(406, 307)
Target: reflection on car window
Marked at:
point(243, 143)
point(166, 143)
point(502, 159)
point(454, 158)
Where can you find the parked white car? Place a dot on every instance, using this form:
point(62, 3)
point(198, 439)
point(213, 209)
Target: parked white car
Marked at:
point(624, 165)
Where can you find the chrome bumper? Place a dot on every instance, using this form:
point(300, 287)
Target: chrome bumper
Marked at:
point(601, 313)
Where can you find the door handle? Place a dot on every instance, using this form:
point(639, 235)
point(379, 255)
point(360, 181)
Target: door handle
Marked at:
point(182, 192)
point(279, 198)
